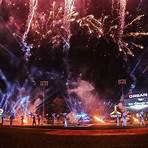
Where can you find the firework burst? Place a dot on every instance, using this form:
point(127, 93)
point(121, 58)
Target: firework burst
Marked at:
point(116, 26)
point(54, 25)
point(123, 43)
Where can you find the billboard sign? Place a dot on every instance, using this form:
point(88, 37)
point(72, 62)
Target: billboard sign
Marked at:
point(137, 102)
point(142, 95)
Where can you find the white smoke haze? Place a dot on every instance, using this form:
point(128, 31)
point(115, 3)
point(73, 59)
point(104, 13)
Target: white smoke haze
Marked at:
point(88, 97)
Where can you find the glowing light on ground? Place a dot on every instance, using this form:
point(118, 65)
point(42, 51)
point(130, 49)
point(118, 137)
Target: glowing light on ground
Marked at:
point(135, 120)
point(99, 119)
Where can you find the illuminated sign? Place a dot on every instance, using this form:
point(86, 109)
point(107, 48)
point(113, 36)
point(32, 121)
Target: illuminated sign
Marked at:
point(138, 95)
point(137, 102)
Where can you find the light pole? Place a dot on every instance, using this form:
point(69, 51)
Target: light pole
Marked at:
point(43, 84)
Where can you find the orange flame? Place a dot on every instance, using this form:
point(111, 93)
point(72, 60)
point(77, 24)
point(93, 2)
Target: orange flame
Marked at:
point(99, 119)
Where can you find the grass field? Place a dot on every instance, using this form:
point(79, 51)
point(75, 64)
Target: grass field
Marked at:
point(39, 138)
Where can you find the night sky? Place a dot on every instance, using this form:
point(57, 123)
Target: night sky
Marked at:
point(96, 60)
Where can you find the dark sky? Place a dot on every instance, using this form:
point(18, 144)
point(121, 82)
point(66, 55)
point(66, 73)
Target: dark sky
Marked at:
point(99, 63)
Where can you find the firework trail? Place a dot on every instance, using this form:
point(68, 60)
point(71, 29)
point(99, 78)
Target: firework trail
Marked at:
point(122, 12)
point(120, 7)
point(69, 7)
point(138, 18)
point(140, 3)
point(33, 7)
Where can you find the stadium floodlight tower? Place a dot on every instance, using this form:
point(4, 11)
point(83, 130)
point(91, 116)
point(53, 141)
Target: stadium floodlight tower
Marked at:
point(122, 83)
point(43, 85)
